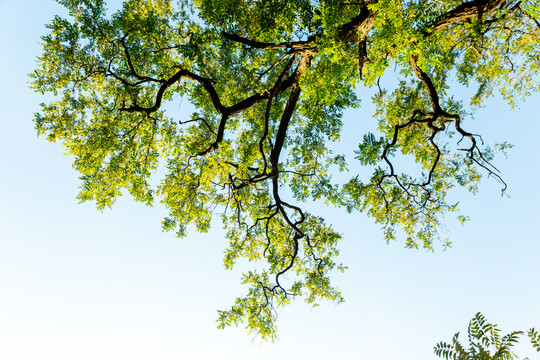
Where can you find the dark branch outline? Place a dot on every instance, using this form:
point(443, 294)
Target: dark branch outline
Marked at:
point(354, 31)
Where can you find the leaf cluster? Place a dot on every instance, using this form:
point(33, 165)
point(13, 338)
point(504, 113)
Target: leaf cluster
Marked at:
point(485, 342)
point(270, 81)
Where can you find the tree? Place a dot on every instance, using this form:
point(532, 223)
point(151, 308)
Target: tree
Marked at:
point(270, 81)
point(485, 342)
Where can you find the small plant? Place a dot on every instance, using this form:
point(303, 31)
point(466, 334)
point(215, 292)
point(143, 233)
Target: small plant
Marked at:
point(485, 342)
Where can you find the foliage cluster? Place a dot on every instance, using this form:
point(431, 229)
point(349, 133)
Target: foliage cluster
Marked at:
point(485, 342)
point(270, 80)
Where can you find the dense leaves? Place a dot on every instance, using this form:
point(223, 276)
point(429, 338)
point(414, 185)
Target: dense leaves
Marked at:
point(270, 81)
point(485, 342)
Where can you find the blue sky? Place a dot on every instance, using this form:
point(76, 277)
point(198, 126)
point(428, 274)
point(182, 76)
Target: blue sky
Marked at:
point(79, 284)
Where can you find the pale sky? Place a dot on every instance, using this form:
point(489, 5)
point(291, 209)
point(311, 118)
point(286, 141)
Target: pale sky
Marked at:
point(79, 284)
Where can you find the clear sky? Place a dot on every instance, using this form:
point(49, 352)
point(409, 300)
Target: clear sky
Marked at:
point(79, 284)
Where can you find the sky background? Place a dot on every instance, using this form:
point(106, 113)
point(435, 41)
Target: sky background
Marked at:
point(79, 284)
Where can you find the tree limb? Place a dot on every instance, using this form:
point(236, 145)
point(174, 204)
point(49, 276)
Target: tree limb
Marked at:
point(463, 12)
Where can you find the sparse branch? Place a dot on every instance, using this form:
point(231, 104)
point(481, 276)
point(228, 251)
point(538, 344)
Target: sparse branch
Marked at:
point(485, 164)
point(132, 67)
point(198, 119)
point(294, 45)
point(528, 16)
point(273, 65)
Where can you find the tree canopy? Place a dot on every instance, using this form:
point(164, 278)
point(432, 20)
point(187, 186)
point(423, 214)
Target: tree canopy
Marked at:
point(270, 80)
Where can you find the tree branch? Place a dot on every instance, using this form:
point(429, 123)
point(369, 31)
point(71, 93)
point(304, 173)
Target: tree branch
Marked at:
point(295, 45)
point(463, 12)
point(305, 62)
point(358, 27)
point(428, 84)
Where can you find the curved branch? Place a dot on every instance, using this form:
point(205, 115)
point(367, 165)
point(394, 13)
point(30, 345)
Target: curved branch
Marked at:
point(130, 64)
point(529, 17)
point(428, 84)
point(206, 83)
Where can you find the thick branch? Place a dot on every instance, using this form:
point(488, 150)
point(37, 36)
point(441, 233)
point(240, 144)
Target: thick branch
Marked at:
point(219, 136)
point(305, 62)
point(206, 83)
point(358, 27)
point(257, 98)
point(283, 125)
point(273, 91)
point(463, 12)
point(227, 112)
point(362, 55)
point(428, 84)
